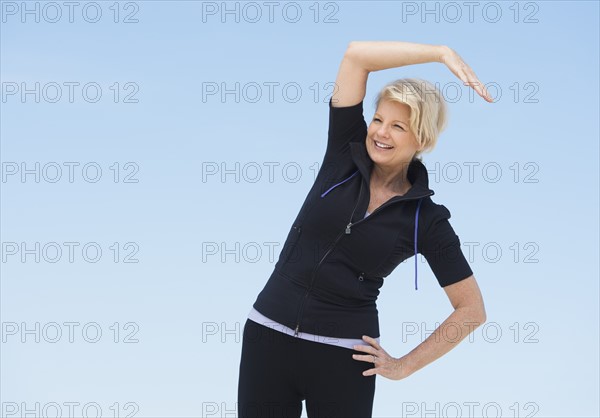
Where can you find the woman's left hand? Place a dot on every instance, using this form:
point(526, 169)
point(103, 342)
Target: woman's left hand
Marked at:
point(461, 69)
point(384, 364)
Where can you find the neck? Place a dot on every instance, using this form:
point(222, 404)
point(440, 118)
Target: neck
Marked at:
point(391, 178)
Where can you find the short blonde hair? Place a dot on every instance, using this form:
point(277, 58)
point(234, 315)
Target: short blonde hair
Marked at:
point(428, 116)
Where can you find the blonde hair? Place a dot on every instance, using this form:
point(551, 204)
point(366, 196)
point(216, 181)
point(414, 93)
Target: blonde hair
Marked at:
point(428, 116)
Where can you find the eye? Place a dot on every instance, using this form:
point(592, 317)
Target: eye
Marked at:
point(375, 119)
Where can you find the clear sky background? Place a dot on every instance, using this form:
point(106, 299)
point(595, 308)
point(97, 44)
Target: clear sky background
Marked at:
point(168, 146)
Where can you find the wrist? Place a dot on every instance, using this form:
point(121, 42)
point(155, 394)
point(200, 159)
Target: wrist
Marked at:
point(441, 52)
point(406, 365)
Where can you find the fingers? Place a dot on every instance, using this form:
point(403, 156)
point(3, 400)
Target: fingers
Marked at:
point(469, 78)
point(363, 357)
point(372, 341)
point(477, 85)
point(368, 358)
point(369, 348)
point(479, 88)
point(369, 372)
point(366, 348)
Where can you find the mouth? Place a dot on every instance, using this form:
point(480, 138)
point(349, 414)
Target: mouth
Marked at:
point(382, 146)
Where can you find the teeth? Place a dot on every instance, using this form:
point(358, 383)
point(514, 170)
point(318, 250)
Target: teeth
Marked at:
point(380, 145)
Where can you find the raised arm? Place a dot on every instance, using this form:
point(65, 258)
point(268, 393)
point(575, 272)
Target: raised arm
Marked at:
point(362, 57)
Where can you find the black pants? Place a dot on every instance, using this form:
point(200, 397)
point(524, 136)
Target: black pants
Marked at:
point(278, 371)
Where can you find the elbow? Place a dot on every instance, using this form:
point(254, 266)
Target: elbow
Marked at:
point(354, 54)
point(480, 315)
point(474, 314)
point(352, 46)
point(483, 317)
point(352, 50)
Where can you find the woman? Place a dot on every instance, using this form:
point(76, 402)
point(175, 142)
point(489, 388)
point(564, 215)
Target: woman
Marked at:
point(313, 332)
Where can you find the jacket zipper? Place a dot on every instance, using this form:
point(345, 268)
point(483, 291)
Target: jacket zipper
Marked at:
point(350, 224)
point(331, 247)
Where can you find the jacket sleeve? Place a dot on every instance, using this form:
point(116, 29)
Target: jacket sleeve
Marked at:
point(441, 248)
point(346, 124)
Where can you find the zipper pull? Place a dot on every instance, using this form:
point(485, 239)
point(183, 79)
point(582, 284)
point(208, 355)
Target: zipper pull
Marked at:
point(296, 331)
point(348, 228)
point(361, 277)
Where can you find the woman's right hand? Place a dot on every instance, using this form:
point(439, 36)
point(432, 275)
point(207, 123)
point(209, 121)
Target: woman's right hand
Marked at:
point(462, 70)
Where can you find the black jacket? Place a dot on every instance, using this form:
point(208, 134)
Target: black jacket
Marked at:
point(333, 262)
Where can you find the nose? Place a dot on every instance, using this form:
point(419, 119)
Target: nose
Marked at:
point(383, 131)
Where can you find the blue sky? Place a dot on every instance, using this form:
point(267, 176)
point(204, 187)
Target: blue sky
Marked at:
point(166, 145)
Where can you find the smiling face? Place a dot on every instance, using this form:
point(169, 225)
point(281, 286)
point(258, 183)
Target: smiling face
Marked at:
point(390, 142)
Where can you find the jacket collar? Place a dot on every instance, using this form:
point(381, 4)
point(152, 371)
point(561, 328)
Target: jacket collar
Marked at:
point(417, 172)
